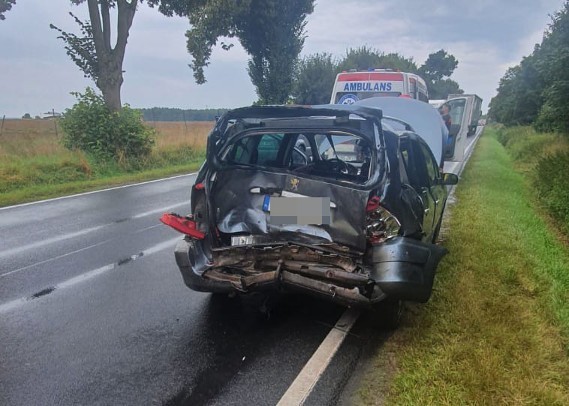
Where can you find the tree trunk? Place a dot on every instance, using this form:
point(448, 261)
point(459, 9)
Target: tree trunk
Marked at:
point(110, 60)
point(111, 89)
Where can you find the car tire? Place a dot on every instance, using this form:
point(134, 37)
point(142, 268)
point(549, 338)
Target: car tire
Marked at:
point(389, 314)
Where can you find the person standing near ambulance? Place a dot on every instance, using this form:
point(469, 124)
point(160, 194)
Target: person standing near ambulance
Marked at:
point(445, 114)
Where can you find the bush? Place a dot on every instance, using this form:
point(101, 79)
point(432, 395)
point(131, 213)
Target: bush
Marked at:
point(91, 127)
point(553, 187)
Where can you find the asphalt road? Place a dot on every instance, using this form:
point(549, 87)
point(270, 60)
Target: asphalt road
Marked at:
point(94, 311)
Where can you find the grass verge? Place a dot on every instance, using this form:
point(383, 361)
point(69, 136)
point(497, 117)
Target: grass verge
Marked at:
point(34, 165)
point(496, 329)
point(46, 191)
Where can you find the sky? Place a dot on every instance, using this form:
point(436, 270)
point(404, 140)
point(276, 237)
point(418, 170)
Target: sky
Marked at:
point(486, 36)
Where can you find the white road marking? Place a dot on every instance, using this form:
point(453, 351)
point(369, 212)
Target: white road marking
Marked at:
point(160, 210)
point(304, 383)
point(54, 258)
point(47, 241)
point(96, 191)
point(68, 236)
point(16, 303)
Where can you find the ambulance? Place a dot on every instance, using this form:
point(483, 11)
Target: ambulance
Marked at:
point(354, 85)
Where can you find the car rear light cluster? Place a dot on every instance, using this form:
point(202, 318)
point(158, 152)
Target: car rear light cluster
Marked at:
point(184, 225)
point(381, 225)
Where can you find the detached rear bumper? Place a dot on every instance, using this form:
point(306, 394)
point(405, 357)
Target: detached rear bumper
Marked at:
point(399, 269)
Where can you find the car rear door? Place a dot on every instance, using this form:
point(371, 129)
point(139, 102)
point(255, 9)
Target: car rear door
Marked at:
point(437, 190)
point(418, 176)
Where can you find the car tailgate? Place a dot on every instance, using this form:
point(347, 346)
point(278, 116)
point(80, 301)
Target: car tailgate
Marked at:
point(239, 199)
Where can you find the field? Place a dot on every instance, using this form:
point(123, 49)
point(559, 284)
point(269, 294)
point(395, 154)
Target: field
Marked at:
point(34, 164)
point(33, 138)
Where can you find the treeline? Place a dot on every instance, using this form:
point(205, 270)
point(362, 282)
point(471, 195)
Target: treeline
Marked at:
point(313, 79)
point(175, 114)
point(536, 91)
point(315, 74)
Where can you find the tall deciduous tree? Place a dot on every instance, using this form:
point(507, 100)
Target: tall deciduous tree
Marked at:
point(364, 58)
point(436, 71)
point(519, 97)
point(551, 61)
point(94, 53)
point(537, 90)
point(5, 5)
point(314, 79)
point(272, 32)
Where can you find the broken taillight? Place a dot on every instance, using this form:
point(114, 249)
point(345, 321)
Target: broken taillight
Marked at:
point(381, 225)
point(184, 225)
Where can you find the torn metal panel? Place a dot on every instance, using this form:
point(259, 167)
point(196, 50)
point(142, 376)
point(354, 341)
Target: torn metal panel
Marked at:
point(400, 269)
point(237, 210)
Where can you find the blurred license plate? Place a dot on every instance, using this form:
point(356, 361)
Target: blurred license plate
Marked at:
point(299, 210)
point(242, 240)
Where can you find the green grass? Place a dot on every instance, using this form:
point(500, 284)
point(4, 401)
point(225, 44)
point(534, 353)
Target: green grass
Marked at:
point(30, 178)
point(34, 164)
point(496, 329)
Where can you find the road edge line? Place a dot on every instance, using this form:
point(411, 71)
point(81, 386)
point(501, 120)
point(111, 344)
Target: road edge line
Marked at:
point(95, 191)
point(306, 380)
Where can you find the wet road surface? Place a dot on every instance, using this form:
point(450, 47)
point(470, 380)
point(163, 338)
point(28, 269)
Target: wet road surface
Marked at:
point(93, 311)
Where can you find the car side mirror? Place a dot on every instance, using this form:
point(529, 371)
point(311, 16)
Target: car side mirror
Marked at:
point(449, 179)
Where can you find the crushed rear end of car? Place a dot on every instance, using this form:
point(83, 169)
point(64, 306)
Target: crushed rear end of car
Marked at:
point(268, 217)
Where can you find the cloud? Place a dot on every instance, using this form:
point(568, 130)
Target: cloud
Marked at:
point(486, 36)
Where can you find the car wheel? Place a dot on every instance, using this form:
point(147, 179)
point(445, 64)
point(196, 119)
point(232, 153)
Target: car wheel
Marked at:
point(389, 314)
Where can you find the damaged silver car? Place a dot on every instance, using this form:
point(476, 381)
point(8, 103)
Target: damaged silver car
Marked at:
point(334, 201)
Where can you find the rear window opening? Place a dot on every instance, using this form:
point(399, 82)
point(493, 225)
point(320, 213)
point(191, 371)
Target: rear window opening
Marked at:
point(332, 155)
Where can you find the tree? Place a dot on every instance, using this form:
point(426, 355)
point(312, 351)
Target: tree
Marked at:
point(314, 79)
point(441, 89)
point(272, 32)
point(519, 97)
point(5, 5)
point(364, 58)
point(551, 61)
point(537, 90)
point(361, 58)
point(26, 116)
point(438, 65)
point(397, 62)
point(94, 53)
point(436, 71)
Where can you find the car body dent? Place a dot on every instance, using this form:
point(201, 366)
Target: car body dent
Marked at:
point(335, 260)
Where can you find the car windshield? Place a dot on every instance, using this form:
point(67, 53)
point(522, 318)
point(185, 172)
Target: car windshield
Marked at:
point(341, 156)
